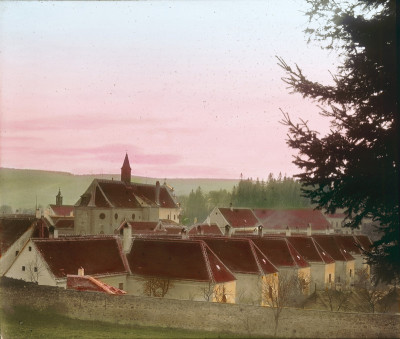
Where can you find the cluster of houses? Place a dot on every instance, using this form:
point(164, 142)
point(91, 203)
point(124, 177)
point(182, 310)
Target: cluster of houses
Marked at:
point(125, 238)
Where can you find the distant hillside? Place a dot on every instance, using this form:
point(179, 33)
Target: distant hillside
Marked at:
point(19, 188)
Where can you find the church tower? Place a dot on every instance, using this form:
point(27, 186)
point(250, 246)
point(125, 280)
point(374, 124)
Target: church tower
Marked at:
point(59, 198)
point(126, 171)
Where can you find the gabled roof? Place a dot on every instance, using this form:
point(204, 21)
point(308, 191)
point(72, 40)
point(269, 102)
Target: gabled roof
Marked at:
point(349, 243)
point(334, 248)
point(12, 228)
point(310, 250)
point(280, 252)
point(364, 241)
point(293, 218)
point(205, 229)
point(118, 194)
point(88, 283)
point(177, 260)
point(239, 217)
point(240, 255)
point(97, 255)
point(63, 210)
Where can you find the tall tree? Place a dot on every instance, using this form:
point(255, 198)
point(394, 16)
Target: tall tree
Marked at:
point(356, 165)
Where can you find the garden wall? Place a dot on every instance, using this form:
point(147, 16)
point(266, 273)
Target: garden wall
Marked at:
point(246, 320)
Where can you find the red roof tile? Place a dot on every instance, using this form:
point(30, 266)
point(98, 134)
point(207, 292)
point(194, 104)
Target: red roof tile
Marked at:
point(240, 217)
point(364, 241)
point(177, 260)
point(240, 255)
point(349, 243)
point(310, 250)
point(296, 218)
point(65, 223)
point(97, 255)
point(88, 283)
point(205, 229)
point(63, 210)
point(12, 228)
point(333, 247)
point(280, 252)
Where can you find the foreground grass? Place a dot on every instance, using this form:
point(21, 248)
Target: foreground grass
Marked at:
point(21, 322)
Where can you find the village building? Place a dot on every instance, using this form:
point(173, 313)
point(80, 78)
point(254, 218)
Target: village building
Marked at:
point(305, 221)
point(47, 261)
point(107, 203)
point(82, 282)
point(178, 269)
point(158, 228)
point(205, 229)
point(286, 259)
point(235, 221)
point(256, 275)
point(344, 261)
point(60, 217)
point(322, 265)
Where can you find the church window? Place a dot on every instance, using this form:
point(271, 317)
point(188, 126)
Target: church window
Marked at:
point(23, 268)
point(116, 216)
point(133, 216)
point(102, 216)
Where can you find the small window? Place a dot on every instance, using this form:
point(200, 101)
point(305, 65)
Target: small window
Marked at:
point(35, 269)
point(270, 292)
point(330, 277)
point(121, 286)
point(23, 268)
point(116, 216)
point(30, 248)
point(174, 216)
point(102, 216)
point(350, 273)
point(133, 216)
point(16, 253)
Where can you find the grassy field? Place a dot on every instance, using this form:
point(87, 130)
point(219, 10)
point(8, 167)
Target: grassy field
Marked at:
point(21, 323)
point(20, 188)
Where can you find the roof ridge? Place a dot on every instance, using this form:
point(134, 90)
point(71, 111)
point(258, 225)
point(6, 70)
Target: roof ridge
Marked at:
point(253, 251)
point(104, 195)
point(206, 260)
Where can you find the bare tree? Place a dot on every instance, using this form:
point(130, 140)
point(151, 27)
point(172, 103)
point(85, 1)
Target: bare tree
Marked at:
point(282, 292)
point(337, 300)
point(156, 287)
point(368, 292)
point(208, 291)
point(35, 269)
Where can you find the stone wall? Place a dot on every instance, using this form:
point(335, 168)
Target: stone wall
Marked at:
point(246, 320)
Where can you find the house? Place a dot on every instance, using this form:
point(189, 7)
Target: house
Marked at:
point(15, 231)
point(252, 269)
point(301, 221)
point(337, 221)
point(233, 220)
point(107, 203)
point(205, 229)
point(344, 261)
point(160, 227)
point(286, 259)
point(178, 269)
point(322, 265)
point(49, 261)
point(82, 282)
point(59, 209)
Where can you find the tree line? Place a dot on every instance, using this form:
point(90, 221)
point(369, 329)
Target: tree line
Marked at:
point(280, 192)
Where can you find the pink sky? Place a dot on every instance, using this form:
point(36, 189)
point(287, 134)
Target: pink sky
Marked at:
point(188, 89)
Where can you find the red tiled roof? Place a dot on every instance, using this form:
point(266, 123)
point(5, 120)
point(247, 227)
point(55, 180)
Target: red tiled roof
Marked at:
point(97, 255)
point(331, 245)
point(177, 260)
point(364, 241)
point(205, 229)
point(280, 252)
point(239, 217)
point(12, 228)
point(240, 255)
point(88, 283)
point(349, 243)
point(113, 193)
point(296, 218)
point(63, 210)
point(310, 250)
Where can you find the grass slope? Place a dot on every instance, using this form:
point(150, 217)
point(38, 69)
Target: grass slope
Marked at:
point(23, 322)
point(19, 188)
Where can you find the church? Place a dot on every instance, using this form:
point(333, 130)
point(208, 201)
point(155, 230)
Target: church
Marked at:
point(106, 204)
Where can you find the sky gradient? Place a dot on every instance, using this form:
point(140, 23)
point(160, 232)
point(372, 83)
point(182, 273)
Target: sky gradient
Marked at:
point(188, 89)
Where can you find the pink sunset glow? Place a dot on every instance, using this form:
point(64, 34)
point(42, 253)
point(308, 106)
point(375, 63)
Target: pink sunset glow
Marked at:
point(188, 89)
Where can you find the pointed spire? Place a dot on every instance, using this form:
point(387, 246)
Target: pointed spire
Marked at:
point(126, 170)
point(59, 198)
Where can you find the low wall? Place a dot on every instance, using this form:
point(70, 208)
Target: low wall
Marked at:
point(241, 319)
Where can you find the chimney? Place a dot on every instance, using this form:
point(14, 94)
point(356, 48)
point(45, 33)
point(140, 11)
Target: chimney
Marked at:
point(309, 230)
point(288, 231)
point(260, 230)
point(81, 271)
point(38, 213)
point(55, 234)
point(227, 229)
point(127, 237)
point(184, 233)
point(157, 193)
point(230, 206)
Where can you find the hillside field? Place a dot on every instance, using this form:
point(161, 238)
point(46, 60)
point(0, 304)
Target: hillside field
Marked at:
point(19, 188)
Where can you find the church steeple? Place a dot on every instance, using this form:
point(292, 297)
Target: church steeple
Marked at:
point(126, 170)
point(59, 198)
